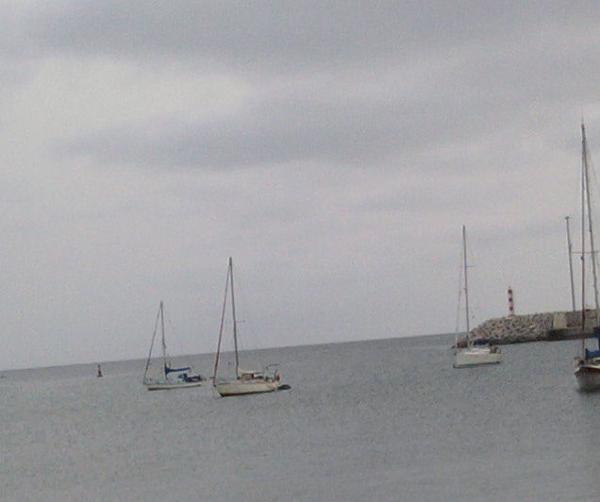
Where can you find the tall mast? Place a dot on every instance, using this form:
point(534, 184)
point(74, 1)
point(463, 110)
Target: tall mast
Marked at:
point(151, 345)
point(464, 235)
point(570, 252)
point(164, 344)
point(583, 191)
point(221, 328)
point(235, 342)
point(590, 225)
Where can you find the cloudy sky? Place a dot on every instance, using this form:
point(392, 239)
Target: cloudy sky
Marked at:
point(334, 149)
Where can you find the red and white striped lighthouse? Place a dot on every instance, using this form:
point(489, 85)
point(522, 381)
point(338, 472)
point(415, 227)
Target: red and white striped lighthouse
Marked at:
point(511, 302)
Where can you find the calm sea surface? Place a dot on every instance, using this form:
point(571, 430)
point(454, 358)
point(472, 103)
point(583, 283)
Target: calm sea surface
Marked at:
point(377, 420)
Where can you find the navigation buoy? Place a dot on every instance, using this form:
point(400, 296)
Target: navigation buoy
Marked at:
point(511, 302)
point(99, 371)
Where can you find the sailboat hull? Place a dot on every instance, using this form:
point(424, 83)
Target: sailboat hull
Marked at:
point(171, 385)
point(240, 388)
point(588, 377)
point(476, 357)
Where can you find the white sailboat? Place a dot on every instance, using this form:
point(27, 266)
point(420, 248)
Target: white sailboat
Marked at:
point(475, 354)
point(588, 364)
point(245, 382)
point(169, 377)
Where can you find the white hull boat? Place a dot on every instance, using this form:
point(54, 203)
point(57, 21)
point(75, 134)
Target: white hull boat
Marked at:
point(476, 353)
point(239, 387)
point(588, 364)
point(588, 375)
point(245, 382)
point(476, 356)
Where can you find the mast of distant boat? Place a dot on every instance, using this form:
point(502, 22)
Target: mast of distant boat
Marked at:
point(586, 203)
point(164, 343)
point(221, 327)
point(152, 344)
point(570, 253)
point(235, 340)
point(464, 235)
point(591, 226)
point(228, 282)
point(583, 168)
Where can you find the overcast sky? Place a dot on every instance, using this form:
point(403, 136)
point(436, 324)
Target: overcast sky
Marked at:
point(334, 149)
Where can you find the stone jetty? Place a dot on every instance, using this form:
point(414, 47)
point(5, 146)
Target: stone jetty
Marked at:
point(545, 326)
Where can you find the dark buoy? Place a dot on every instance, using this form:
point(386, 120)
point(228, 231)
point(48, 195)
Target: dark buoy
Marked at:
point(99, 371)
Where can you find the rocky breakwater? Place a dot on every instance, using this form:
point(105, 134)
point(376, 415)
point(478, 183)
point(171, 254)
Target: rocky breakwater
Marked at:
point(545, 326)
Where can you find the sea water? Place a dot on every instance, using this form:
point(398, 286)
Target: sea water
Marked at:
point(376, 420)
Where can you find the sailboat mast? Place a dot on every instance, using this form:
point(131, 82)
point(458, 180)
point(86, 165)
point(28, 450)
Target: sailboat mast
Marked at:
point(235, 341)
point(590, 223)
point(570, 252)
point(151, 345)
point(464, 235)
point(583, 191)
point(221, 328)
point(164, 344)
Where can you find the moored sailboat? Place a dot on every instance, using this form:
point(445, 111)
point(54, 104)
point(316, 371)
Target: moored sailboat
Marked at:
point(245, 382)
point(588, 364)
point(169, 377)
point(476, 353)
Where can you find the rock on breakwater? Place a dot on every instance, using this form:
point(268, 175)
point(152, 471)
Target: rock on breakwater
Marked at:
point(545, 326)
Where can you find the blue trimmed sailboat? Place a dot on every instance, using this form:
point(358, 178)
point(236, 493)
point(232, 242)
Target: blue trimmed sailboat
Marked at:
point(168, 377)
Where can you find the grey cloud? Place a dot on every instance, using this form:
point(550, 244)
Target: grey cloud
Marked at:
point(285, 35)
point(269, 132)
point(360, 131)
point(501, 60)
